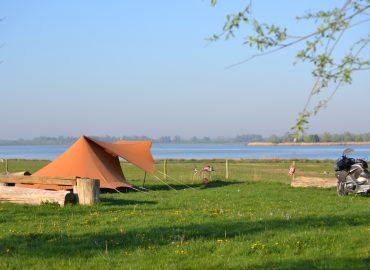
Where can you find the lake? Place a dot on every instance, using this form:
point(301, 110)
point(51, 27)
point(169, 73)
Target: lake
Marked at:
point(202, 151)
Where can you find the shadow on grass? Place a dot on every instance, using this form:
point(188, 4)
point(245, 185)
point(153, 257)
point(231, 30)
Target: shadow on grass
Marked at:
point(80, 244)
point(211, 184)
point(332, 262)
point(122, 202)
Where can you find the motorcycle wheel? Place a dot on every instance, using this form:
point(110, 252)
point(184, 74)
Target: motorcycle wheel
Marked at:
point(341, 191)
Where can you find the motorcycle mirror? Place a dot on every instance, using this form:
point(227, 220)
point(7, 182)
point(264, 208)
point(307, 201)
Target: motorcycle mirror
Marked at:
point(347, 151)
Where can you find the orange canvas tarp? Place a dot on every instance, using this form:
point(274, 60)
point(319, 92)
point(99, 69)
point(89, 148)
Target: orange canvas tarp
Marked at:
point(94, 159)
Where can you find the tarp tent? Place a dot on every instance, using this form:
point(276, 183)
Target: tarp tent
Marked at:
point(94, 159)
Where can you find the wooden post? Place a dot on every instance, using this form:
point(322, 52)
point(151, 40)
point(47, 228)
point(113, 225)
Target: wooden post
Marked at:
point(88, 191)
point(6, 172)
point(6, 168)
point(227, 169)
point(294, 169)
point(144, 179)
point(165, 169)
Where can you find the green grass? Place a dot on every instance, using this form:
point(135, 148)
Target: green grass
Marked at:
point(254, 220)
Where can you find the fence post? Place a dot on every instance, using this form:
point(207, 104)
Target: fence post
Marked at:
point(6, 172)
point(227, 169)
point(88, 191)
point(165, 169)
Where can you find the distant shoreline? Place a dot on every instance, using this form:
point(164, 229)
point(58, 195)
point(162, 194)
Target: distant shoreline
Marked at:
point(305, 143)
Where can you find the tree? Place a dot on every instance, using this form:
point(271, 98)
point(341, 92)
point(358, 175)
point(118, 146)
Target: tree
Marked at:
point(326, 137)
point(330, 71)
point(274, 139)
point(311, 138)
point(177, 139)
point(164, 139)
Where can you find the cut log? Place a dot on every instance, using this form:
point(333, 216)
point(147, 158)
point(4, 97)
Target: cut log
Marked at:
point(8, 175)
point(302, 181)
point(35, 196)
point(88, 191)
point(66, 181)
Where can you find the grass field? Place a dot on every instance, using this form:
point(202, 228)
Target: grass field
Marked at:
point(254, 220)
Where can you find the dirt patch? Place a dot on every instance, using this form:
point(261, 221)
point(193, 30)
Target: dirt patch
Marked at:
point(302, 181)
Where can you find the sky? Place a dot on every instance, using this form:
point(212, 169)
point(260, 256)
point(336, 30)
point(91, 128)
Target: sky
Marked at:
point(145, 68)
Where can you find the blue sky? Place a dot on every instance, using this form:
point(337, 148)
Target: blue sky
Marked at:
point(145, 68)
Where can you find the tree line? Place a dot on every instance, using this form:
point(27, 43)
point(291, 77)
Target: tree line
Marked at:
point(325, 137)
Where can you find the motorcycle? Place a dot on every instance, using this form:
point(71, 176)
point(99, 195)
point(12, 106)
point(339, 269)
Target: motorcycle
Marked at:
point(352, 175)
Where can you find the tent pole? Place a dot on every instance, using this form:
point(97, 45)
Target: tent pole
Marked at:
point(144, 179)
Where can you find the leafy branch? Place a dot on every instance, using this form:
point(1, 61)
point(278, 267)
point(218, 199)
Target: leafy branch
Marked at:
point(317, 47)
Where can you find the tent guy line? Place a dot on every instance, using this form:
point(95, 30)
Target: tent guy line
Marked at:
point(164, 182)
point(178, 181)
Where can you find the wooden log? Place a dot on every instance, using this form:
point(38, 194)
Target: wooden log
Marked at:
point(35, 196)
point(63, 181)
point(88, 191)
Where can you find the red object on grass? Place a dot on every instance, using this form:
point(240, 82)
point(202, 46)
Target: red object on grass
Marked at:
point(205, 181)
point(291, 170)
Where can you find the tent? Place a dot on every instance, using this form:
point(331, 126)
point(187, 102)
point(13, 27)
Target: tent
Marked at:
point(94, 159)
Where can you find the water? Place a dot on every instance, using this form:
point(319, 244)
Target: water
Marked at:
point(200, 151)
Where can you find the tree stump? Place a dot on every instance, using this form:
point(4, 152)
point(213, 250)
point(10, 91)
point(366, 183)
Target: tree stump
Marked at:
point(88, 191)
